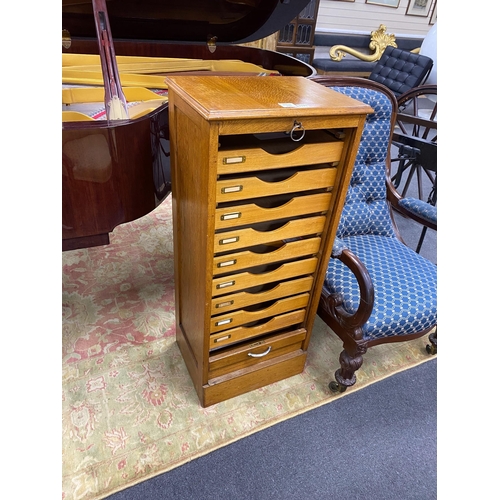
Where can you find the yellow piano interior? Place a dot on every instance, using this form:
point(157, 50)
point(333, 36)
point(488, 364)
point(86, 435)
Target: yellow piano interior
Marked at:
point(142, 80)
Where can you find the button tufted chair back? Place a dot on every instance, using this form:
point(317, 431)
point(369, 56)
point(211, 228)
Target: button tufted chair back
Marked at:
point(376, 289)
point(366, 210)
point(401, 70)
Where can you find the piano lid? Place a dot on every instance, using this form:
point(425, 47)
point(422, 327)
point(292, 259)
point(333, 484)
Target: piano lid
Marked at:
point(229, 21)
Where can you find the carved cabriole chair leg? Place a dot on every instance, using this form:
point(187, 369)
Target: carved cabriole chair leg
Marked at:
point(349, 364)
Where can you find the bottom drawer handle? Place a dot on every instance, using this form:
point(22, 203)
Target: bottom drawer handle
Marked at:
point(251, 354)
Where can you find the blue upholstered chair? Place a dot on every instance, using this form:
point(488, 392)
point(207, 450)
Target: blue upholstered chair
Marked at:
point(376, 289)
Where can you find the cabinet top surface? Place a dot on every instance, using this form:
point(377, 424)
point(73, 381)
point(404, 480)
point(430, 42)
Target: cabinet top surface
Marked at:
point(242, 97)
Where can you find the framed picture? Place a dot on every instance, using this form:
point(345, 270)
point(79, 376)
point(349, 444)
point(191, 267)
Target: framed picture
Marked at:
point(418, 8)
point(385, 3)
point(433, 18)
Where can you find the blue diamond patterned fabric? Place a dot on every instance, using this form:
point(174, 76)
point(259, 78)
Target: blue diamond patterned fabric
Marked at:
point(405, 283)
point(338, 247)
point(365, 209)
point(421, 208)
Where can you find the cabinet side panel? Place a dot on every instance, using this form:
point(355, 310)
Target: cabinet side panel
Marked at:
point(190, 188)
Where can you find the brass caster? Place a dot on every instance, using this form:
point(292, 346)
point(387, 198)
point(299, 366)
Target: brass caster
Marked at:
point(336, 387)
point(431, 349)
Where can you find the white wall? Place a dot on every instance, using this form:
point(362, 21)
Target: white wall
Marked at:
point(360, 17)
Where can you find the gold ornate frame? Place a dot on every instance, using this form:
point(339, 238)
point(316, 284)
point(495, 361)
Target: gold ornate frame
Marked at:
point(379, 41)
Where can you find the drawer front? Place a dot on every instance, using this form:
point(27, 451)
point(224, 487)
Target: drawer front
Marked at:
point(244, 299)
point(255, 159)
point(242, 238)
point(269, 255)
point(243, 317)
point(254, 352)
point(252, 187)
point(252, 213)
point(236, 282)
point(241, 333)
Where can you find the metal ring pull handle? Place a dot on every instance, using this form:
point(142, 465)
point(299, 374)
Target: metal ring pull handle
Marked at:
point(251, 354)
point(297, 126)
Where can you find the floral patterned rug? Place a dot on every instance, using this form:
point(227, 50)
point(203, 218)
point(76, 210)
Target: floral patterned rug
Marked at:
point(129, 409)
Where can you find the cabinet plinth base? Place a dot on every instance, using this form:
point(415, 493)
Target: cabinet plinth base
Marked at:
point(252, 378)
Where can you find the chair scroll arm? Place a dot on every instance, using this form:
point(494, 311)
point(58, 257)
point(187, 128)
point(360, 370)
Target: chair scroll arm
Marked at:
point(417, 210)
point(333, 303)
point(378, 42)
point(337, 53)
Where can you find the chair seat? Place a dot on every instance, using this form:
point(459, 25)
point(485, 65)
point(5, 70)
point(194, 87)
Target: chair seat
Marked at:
point(405, 285)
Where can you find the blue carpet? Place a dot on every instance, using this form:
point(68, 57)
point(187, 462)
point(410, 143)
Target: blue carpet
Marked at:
point(379, 443)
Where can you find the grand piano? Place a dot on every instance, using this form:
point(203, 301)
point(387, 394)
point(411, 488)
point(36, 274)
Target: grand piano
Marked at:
point(116, 171)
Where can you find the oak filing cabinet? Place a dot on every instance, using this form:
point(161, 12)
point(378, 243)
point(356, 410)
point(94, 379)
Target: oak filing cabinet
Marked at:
point(260, 169)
